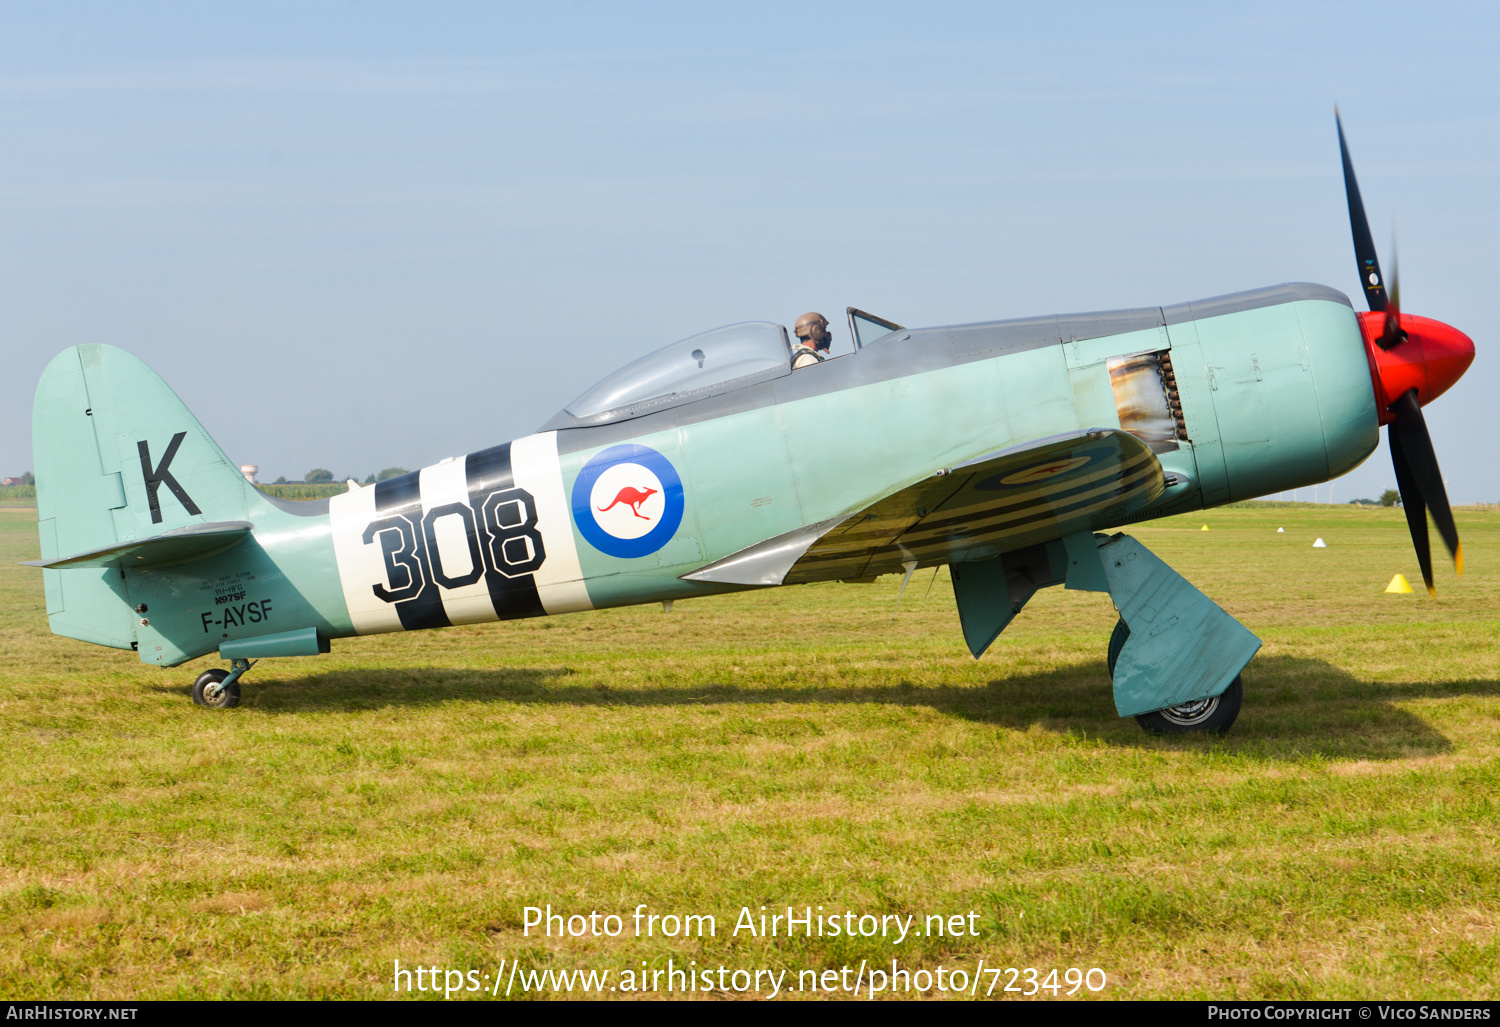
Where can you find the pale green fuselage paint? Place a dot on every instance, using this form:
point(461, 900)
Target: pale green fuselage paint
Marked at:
point(282, 578)
point(1290, 390)
point(1274, 398)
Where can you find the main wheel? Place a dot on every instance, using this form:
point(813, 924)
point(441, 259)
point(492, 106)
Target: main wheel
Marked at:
point(1202, 715)
point(1116, 643)
point(206, 690)
point(1217, 714)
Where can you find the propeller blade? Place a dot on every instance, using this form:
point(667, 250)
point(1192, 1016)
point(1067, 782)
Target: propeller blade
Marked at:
point(1411, 428)
point(1416, 510)
point(1364, 245)
point(1392, 334)
point(1395, 305)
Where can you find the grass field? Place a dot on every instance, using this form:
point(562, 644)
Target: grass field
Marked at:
point(406, 796)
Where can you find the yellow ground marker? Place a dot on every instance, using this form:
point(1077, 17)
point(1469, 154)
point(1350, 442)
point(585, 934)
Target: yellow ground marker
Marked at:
point(1205, 527)
point(1399, 584)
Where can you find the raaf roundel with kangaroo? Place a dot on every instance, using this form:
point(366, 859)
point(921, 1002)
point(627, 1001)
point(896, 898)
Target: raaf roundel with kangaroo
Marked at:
point(631, 497)
point(1007, 450)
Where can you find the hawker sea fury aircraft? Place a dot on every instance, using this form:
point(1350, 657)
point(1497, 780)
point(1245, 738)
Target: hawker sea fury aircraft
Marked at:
point(999, 449)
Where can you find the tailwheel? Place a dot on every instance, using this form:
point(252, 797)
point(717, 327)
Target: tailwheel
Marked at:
point(207, 678)
point(219, 689)
point(1216, 714)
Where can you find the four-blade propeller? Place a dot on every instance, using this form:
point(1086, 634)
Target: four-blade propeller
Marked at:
point(1417, 475)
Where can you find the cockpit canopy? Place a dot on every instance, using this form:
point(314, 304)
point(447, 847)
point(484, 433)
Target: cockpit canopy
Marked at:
point(693, 368)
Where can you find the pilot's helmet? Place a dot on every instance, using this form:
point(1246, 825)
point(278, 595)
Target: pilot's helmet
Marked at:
point(811, 325)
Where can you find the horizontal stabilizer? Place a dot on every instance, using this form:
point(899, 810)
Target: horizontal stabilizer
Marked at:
point(179, 545)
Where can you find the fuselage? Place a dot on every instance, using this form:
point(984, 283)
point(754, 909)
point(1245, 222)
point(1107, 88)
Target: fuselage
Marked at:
point(1270, 390)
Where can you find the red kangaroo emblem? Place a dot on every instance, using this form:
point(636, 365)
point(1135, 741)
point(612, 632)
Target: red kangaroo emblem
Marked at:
point(632, 498)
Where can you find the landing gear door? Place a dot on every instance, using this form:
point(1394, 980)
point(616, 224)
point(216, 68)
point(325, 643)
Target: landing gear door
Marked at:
point(866, 328)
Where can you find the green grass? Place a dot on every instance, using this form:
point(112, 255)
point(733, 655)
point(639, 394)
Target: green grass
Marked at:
point(304, 491)
point(406, 796)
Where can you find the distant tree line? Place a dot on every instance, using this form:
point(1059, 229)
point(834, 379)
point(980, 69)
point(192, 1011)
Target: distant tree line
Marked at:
point(323, 476)
point(1390, 497)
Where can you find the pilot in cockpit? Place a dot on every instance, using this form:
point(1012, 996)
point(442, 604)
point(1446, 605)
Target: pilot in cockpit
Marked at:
point(813, 340)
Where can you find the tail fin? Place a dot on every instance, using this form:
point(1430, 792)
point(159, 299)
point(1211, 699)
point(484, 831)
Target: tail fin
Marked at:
point(118, 457)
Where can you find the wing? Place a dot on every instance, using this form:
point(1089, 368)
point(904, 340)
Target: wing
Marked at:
point(995, 503)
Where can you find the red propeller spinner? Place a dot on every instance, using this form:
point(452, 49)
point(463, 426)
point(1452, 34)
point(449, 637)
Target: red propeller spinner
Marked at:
point(1432, 356)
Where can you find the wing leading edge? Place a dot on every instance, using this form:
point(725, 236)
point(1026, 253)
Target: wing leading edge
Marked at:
point(995, 503)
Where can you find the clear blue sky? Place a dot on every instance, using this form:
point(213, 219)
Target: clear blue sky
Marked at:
point(354, 235)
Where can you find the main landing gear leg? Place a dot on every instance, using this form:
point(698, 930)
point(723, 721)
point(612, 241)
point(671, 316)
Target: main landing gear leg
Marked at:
point(219, 689)
point(1175, 657)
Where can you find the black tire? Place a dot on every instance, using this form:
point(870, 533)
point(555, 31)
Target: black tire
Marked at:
point(1116, 643)
point(1215, 715)
point(223, 698)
